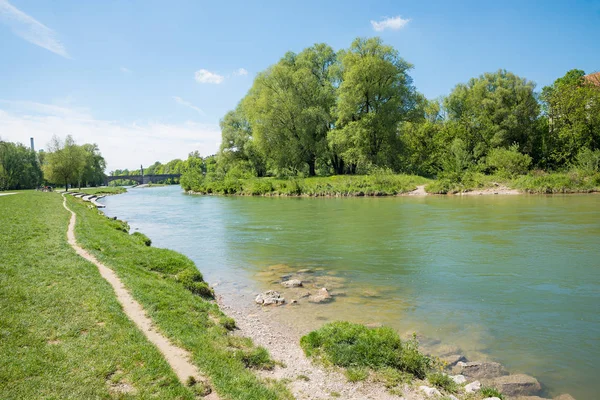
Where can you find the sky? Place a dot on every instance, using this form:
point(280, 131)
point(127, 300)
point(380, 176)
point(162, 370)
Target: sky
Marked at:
point(149, 80)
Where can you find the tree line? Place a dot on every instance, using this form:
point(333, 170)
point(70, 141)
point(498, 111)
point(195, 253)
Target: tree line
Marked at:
point(321, 112)
point(64, 163)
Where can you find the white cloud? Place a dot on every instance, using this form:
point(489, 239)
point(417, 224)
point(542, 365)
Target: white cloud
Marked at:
point(123, 144)
point(183, 102)
point(240, 72)
point(125, 70)
point(394, 24)
point(30, 29)
point(205, 76)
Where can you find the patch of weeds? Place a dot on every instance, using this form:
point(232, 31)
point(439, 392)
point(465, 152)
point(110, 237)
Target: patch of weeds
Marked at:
point(346, 344)
point(391, 377)
point(356, 374)
point(192, 280)
point(257, 358)
point(442, 381)
point(335, 394)
point(143, 239)
point(280, 387)
point(303, 378)
point(488, 391)
point(228, 323)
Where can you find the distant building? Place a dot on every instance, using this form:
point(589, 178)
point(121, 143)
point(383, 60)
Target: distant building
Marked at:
point(594, 78)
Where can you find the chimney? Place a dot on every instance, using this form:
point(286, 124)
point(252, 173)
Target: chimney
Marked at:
point(32, 146)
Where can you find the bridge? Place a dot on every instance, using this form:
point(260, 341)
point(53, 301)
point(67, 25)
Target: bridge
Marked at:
point(141, 179)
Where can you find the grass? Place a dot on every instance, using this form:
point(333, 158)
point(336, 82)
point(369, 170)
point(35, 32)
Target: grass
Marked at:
point(63, 334)
point(338, 185)
point(443, 381)
point(103, 190)
point(487, 391)
point(349, 345)
point(173, 292)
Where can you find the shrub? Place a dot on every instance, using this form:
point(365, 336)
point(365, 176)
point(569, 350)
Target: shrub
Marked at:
point(442, 381)
point(353, 345)
point(141, 238)
point(588, 160)
point(119, 225)
point(488, 391)
point(509, 162)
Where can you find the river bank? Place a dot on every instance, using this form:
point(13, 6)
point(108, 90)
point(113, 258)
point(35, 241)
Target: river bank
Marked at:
point(400, 185)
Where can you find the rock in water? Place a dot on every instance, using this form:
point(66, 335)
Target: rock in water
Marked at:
point(565, 396)
point(322, 296)
point(479, 369)
point(453, 359)
point(517, 385)
point(473, 387)
point(429, 391)
point(291, 283)
point(269, 297)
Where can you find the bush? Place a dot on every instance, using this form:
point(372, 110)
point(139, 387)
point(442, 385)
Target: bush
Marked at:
point(141, 238)
point(353, 345)
point(443, 381)
point(356, 374)
point(509, 162)
point(588, 161)
point(228, 323)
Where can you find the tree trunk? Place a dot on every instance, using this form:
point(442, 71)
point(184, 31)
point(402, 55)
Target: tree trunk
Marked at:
point(66, 185)
point(311, 167)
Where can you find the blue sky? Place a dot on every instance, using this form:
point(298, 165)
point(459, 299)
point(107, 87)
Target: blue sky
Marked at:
point(149, 80)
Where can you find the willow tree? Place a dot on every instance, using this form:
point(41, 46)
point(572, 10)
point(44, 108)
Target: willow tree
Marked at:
point(374, 95)
point(495, 110)
point(64, 161)
point(289, 108)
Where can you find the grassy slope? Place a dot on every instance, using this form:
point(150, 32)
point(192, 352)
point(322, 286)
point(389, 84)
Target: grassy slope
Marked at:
point(62, 332)
point(190, 321)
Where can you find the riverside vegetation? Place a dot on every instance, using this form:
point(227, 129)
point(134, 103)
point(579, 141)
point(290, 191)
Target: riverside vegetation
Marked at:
point(65, 336)
point(354, 119)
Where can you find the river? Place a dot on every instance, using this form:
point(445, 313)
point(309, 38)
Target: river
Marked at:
point(515, 279)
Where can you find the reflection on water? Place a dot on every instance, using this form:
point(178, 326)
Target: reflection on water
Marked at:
point(513, 278)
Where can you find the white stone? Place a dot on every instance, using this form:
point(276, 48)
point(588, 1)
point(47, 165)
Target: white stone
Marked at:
point(473, 387)
point(458, 379)
point(429, 391)
point(452, 397)
point(492, 398)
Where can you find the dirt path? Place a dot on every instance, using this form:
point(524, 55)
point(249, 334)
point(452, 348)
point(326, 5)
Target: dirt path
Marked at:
point(419, 191)
point(178, 358)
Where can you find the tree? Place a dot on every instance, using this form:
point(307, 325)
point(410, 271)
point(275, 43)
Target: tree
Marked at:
point(19, 167)
point(494, 110)
point(375, 94)
point(93, 169)
point(572, 105)
point(289, 108)
point(64, 161)
point(238, 145)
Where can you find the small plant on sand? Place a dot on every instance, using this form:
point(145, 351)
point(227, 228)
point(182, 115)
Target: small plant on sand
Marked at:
point(356, 374)
point(257, 357)
point(228, 323)
point(442, 381)
point(488, 391)
point(345, 344)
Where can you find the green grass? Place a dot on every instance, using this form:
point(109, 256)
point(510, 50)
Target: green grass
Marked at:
point(487, 391)
point(63, 334)
point(104, 190)
point(349, 345)
point(442, 381)
point(170, 288)
point(338, 185)
point(567, 182)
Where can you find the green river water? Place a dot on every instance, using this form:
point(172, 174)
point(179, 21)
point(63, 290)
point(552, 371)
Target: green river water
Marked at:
point(514, 279)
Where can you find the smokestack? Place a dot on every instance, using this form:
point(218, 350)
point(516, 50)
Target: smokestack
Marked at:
point(32, 146)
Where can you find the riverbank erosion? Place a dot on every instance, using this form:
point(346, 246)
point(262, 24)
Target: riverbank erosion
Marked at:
point(399, 185)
